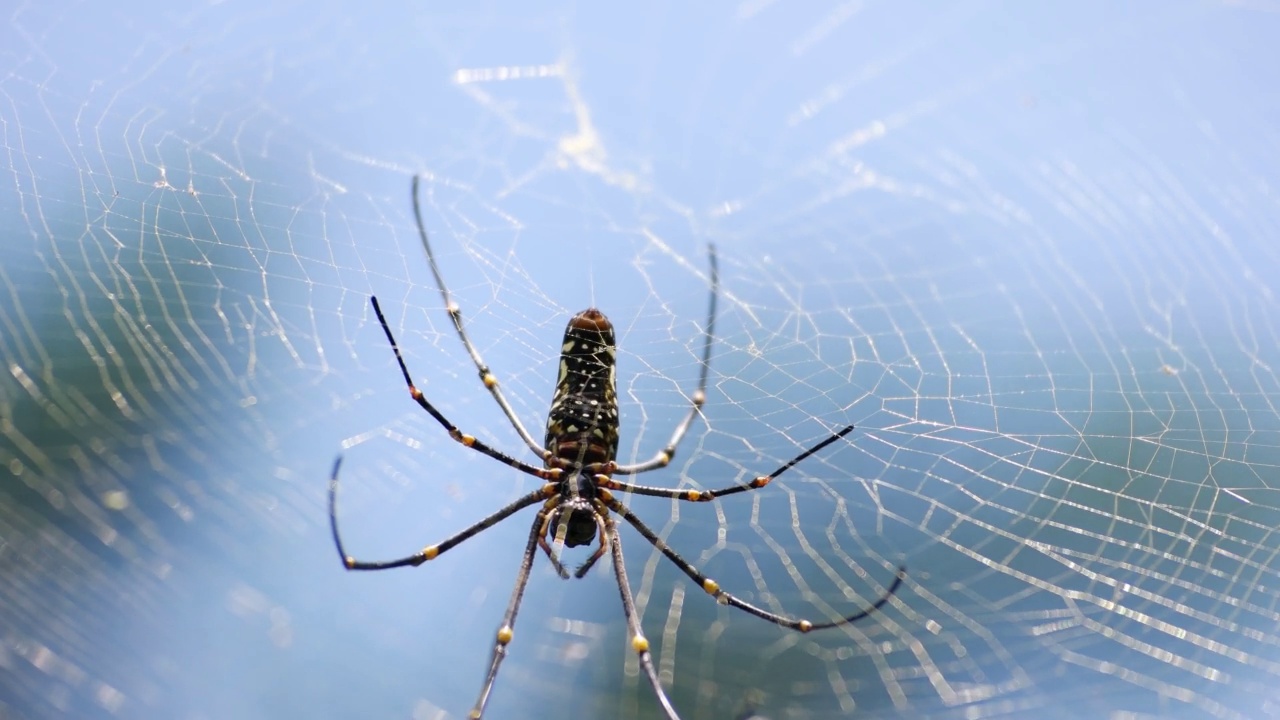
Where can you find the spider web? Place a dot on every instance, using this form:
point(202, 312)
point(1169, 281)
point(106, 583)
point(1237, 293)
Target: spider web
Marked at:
point(1022, 248)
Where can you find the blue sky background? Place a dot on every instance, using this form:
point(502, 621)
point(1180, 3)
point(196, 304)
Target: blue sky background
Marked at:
point(1026, 248)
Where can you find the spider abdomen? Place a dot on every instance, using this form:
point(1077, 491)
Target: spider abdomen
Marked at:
point(582, 425)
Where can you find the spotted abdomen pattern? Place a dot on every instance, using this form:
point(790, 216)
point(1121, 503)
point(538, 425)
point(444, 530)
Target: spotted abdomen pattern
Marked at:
point(582, 426)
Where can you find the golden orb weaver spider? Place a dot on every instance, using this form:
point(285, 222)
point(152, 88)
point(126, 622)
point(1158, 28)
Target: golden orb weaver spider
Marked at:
point(579, 465)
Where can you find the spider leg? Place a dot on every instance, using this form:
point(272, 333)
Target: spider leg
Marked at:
point(601, 513)
point(505, 631)
point(542, 539)
point(607, 482)
point(663, 457)
point(455, 314)
point(467, 440)
point(638, 641)
point(429, 552)
point(712, 588)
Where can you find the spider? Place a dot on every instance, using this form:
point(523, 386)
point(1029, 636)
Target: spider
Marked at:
point(579, 467)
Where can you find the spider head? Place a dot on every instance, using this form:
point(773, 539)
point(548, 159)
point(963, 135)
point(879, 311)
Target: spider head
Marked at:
point(580, 522)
